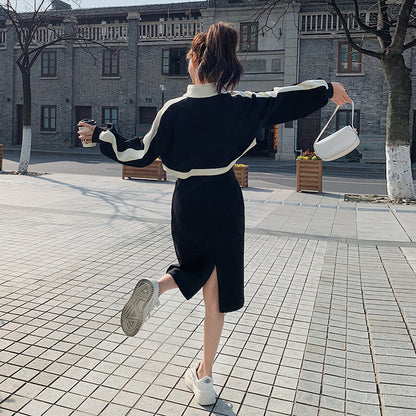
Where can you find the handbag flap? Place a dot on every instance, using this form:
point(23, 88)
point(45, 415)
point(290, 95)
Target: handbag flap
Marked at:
point(337, 144)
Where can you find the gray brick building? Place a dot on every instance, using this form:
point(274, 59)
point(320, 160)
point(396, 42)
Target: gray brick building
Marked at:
point(138, 62)
point(323, 50)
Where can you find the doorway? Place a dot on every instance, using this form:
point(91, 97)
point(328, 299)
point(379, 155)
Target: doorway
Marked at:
point(146, 117)
point(81, 112)
point(264, 143)
point(308, 130)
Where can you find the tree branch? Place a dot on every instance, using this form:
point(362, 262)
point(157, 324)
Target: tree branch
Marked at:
point(38, 20)
point(362, 25)
point(13, 16)
point(36, 52)
point(410, 44)
point(382, 8)
point(358, 48)
point(382, 34)
point(399, 36)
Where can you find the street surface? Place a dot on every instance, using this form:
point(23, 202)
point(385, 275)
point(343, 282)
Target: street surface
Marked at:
point(263, 172)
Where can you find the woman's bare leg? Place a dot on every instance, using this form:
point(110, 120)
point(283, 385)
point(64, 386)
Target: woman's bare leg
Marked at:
point(167, 282)
point(213, 324)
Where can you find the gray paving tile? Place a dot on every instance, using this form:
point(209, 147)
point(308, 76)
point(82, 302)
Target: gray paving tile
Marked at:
point(328, 412)
point(390, 411)
point(35, 408)
point(307, 398)
point(280, 406)
point(407, 402)
point(359, 409)
point(58, 411)
point(300, 409)
point(333, 391)
point(332, 403)
point(114, 409)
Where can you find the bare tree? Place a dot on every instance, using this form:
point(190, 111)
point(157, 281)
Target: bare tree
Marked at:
point(35, 31)
point(392, 33)
point(393, 30)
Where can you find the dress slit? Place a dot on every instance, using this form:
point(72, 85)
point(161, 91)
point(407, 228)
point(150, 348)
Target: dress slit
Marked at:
point(208, 231)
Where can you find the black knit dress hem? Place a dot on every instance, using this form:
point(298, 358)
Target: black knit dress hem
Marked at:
point(208, 231)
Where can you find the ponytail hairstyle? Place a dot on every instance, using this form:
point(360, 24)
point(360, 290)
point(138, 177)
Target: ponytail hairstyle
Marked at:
point(198, 47)
point(219, 64)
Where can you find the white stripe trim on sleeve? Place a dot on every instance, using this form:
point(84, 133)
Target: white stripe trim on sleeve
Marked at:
point(134, 154)
point(305, 85)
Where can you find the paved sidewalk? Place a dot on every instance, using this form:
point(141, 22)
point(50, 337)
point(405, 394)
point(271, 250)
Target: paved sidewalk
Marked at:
point(328, 327)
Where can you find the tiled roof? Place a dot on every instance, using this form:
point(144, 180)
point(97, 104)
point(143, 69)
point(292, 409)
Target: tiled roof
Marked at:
point(124, 10)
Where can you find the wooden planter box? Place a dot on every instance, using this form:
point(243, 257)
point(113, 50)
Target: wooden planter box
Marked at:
point(309, 175)
point(1, 157)
point(241, 173)
point(153, 171)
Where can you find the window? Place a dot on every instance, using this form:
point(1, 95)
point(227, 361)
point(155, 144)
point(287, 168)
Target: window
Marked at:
point(174, 62)
point(48, 118)
point(349, 60)
point(110, 115)
point(48, 64)
point(344, 119)
point(248, 37)
point(111, 63)
point(276, 65)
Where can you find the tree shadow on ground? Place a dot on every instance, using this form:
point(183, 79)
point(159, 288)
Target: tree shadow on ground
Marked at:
point(114, 198)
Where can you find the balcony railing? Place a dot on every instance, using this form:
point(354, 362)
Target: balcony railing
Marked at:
point(118, 32)
point(329, 23)
point(46, 35)
point(172, 29)
point(104, 32)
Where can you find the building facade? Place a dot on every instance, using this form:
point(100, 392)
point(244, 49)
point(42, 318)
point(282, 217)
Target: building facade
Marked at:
point(135, 60)
point(324, 50)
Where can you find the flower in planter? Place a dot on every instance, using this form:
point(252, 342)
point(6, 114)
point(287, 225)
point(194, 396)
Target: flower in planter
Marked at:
point(307, 155)
point(240, 165)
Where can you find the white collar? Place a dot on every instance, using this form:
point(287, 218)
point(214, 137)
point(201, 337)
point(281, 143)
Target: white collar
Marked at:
point(201, 90)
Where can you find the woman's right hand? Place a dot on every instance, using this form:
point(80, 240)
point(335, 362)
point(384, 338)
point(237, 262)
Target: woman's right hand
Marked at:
point(85, 132)
point(340, 96)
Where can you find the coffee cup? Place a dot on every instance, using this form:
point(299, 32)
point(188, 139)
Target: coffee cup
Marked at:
point(83, 129)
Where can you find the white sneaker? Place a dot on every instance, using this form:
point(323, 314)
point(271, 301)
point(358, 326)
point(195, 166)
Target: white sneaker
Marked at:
point(203, 389)
point(144, 298)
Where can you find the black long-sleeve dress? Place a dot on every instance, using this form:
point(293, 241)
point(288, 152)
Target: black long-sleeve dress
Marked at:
point(199, 137)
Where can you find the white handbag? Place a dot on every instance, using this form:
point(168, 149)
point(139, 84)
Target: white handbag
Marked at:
point(337, 144)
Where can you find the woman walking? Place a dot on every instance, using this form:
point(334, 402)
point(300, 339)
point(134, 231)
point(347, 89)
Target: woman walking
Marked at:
point(199, 137)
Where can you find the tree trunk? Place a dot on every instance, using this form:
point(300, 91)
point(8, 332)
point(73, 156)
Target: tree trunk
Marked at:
point(27, 122)
point(398, 165)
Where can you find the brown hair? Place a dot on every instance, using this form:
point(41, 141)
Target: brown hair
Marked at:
point(215, 53)
point(198, 46)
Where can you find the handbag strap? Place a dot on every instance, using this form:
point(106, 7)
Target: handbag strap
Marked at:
point(333, 114)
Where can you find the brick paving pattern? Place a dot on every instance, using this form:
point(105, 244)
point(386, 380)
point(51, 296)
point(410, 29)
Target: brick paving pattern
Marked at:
point(328, 327)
